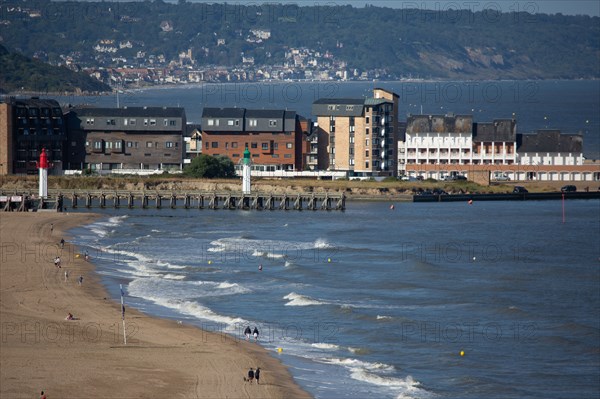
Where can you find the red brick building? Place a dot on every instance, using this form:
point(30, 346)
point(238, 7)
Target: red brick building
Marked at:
point(274, 137)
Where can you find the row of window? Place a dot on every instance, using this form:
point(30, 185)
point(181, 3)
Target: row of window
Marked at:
point(288, 156)
point(133, 122)
point(38, 122)
point(98, 144)
point(264, 146)
point(35, 112)
point(236, 122)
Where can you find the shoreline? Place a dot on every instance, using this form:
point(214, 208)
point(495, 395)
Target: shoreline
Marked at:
point(40, 350)
point(191, 85)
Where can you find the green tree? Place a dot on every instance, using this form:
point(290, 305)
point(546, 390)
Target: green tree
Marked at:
point(206, 166)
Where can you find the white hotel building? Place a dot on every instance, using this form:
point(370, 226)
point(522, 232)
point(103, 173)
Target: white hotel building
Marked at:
point(438, 145)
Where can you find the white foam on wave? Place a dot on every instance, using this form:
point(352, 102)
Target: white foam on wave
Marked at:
point(384, 317)
point(321, 243)
point(177, 295)
point(268, 248)
point(287, 263)
point(355, 363)
point(171, 276)
point(301, 300)
point(322, 345)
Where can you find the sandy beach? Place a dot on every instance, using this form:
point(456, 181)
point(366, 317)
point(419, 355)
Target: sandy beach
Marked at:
point(85, 358)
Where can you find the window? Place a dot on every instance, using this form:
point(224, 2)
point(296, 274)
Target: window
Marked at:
point(89, 121)
point(110, 122)
point(287, 155)
point(289, 146)
point(97, 145)
point(109, 145)
point(367, 154)
point(253, 145)
point(234, 144)
point(367, 142)
point(73, 144)
point(129, 144)
point(226, 145)
point(367, 131)
point(230, 122)
point(253, 122)
point(169, 144)
point(351, 139)
point(211, 122)
point(152, 122)
point(367, 120)
point(145, 122)
point(165, 122)
point(349, 107)
point(275, 155)
point(272, 122)
point(148, 144)
point(172, 123)
point(215, 144)
point(275, 146)
point(331, 107)
point(132, 122)
point(118, 144)
point(367, 164)
point(236, 155)
point(265, 146)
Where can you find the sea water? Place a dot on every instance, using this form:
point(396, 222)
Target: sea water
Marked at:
point(570, 106)
point(377, 302)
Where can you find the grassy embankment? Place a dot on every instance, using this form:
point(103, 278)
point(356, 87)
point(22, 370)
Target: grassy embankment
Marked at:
point(359, 189)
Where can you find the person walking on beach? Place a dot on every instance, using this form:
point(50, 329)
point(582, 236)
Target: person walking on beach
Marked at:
point(80, 280)
point(42, 395)
point(255, 333)
point(87, 256)
point(51, 228)
point(250, 375)
point(247, 333)
point(62, 243)
point(66, 275)
point(257, 375)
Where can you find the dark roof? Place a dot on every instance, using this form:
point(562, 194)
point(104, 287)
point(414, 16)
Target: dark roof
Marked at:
point(223, 112)
point(270, 113)
point(550, 141)
point(500, 130)
point(439, 123)
point(34, 103)
point(131, 112)
point(353, 101)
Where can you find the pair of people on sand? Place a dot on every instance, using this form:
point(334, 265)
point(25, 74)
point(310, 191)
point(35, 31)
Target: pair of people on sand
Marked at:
point(253, 375)
point(247, 333)
point(57, 262)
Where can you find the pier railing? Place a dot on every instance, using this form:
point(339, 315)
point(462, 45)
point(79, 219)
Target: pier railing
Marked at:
point(61, 199)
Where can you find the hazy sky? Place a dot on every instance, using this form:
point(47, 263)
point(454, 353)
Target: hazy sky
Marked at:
point(567, 7)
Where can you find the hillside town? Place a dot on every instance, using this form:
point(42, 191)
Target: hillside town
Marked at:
point(355, 138)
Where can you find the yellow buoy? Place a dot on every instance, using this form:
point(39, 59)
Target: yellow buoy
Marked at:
point(329, 260)
point(77, 256)
point(462, 353)
point(210, 262)
point(279, 350)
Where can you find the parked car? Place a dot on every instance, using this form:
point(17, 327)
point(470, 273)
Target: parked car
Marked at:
point(519, 190)
point(568, 189)
point(460, 177)
point(500, 176)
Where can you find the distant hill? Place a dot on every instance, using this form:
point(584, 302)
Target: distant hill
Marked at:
point(400, 42)
point(18, 72)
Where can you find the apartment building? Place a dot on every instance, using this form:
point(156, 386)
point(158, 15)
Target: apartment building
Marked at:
point(27, 126)
point(129, 138)
point(359, 135)
point(273, 137)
